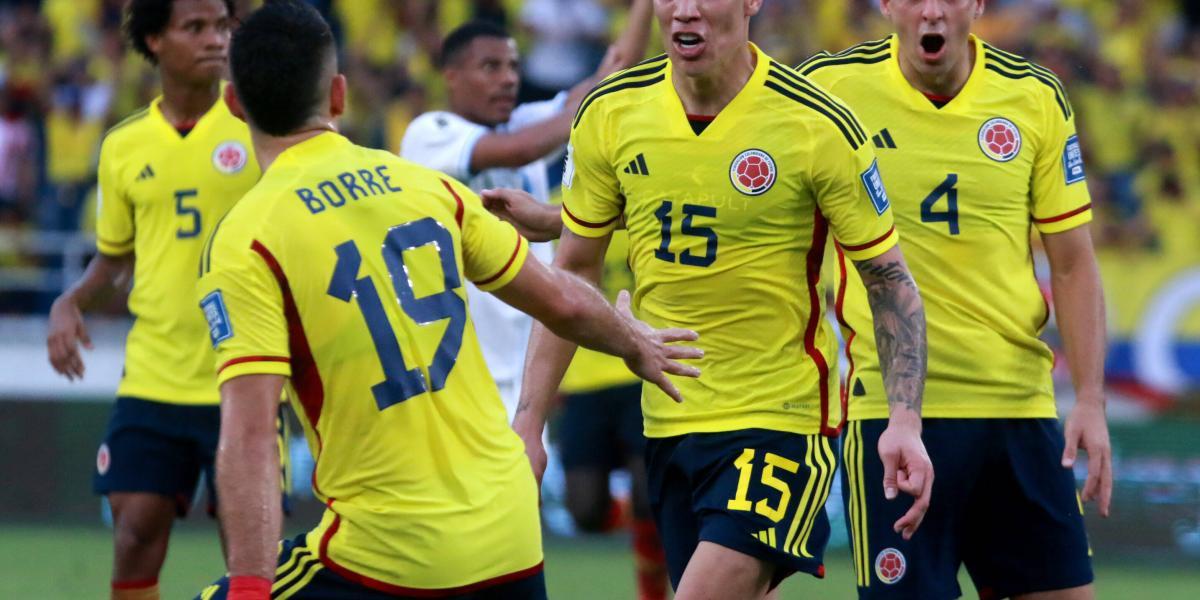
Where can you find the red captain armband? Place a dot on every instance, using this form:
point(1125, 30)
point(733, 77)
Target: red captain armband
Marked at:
point(247, 587)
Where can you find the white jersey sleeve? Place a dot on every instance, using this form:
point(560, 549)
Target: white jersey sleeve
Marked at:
point(442, 141)
point(530, 113)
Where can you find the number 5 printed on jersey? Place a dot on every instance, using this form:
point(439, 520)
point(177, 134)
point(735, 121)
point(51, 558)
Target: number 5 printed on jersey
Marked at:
point(401, 382)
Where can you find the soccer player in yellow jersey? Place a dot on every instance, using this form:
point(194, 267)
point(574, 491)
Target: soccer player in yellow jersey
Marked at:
point(978, 147)
point(729, 171)
point(167, 175)
point(342, 273)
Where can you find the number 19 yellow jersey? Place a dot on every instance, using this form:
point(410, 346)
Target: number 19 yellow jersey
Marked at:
point(343, 269)
point(969, 180)
point(727, 230)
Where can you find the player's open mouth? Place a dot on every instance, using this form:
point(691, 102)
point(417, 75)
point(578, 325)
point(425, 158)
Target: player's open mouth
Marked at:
point(688, 45)
point(932, 45)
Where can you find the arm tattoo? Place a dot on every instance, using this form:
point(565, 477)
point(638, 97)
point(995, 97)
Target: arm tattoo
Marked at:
point(899, 331)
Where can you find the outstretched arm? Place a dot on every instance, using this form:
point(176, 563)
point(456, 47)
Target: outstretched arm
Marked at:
point(1079, 308)
point(899, 317)
point(104, 276)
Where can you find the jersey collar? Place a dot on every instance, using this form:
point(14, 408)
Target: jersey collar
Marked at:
point(725, 120)
point(201, 124)
point(917, 100)
point(314, 148)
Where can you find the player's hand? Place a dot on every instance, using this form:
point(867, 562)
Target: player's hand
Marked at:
point(534, 449)
point(657, 356)
point(535, 221)
point(66, 333)
point(1087, 428)
point(906, 468)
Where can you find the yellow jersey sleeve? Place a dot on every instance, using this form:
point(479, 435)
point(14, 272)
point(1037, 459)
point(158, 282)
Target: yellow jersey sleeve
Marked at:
point(493, 252)
point(852, 197)
point(114, 213)
point(1060, 199)
point(243, 304)
point(592, 200)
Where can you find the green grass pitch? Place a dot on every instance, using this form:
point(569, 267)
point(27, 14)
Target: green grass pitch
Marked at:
point(52, 562)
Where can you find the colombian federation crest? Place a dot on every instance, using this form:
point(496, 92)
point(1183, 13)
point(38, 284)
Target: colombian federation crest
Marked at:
point(230, 157)
point(890, 565)
point(1000, 139)
point(752, 172)
point(103, 459)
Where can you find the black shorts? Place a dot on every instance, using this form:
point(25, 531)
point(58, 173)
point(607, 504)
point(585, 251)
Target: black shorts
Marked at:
point(1002, 504)
point(163, 448)
point(302, 575)
point(756, 491)
point(602, 429)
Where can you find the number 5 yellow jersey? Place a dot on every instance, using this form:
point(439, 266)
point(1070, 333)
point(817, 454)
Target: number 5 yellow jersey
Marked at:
point(968, 182)
point(161, 195)
point(343, 269)
point(727, 230)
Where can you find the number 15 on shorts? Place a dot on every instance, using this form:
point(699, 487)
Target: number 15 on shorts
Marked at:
point(776, 482)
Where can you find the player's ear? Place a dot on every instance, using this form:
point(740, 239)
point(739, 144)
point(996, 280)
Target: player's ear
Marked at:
point(337, 96)
point(979, 7)
point(235, 105)
point(154, 43)
point(752, 7)
point(885, 7)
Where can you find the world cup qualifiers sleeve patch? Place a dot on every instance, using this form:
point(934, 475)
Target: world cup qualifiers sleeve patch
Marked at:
point(1073, 161)
point(874, 184)
point(219, 328)
point(568, 178)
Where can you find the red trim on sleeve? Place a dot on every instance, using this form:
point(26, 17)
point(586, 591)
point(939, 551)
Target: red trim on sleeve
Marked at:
point(305, 378)
point(246, 359)
point(588, 224)
point(504, 269)
point(840, 310)
point(878, 240)
point(458, 213)
point(135, 585)
point(1064, 216)
point(816, 254)
point(397, 590)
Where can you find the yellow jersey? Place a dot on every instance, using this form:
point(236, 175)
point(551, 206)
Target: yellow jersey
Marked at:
point(160, 196)
point(969, 180)
point(727, 230)
point(344, 270)
point(591, 370)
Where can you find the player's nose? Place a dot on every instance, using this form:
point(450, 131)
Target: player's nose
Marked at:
point(931, 10)
point(686, 10)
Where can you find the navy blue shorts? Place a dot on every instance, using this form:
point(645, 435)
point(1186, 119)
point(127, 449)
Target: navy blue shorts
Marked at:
point(301, 575)
point(602, 429)
point(1002, 504)
point(163, 448)
point(756, 491)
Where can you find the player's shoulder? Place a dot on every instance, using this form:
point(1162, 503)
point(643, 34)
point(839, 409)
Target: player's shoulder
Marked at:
point(861, 60)
point(624, 88)
point(1012, 70)
point(806, 104)
point(130, 132)
point(437, 123)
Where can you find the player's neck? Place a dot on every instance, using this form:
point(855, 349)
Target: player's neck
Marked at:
point(708, 94)
point(946, 82)
point(267, 148)
point(185, 102)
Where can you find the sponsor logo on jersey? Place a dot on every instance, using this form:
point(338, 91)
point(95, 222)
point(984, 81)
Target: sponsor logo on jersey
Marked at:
point(1073, 161)
point(230, 157)
point(1000, 139)
point(890, 565)
point(752, 172)
point(568, 178)
point(103, 459)
point(874, 184)
point(219, 328)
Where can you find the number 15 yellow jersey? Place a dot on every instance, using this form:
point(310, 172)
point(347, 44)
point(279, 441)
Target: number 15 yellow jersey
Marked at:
point(343, 269)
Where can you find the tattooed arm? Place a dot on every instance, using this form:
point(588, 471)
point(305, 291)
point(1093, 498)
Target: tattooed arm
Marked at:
point(899, 318)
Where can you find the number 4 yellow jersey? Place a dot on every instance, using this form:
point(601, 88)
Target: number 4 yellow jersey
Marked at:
point(161, 194)
point(727, 230)
point(968, 181)
point(343, 269)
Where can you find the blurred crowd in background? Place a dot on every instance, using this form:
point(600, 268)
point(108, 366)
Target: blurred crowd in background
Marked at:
point(1131, 67)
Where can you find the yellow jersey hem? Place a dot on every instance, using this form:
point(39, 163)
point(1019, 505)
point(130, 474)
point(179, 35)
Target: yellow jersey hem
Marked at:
point(114, 248)
point(188, 397)
point(588, 229)
point(254, 365)
point(1065, 221)
point(872, 248)
point(1029, 412)
point(509, 271)
point(664, 430)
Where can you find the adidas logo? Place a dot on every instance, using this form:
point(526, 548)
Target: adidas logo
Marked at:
point(883, 139)
point(147, 173)
point(766, 536)
point(638, 166)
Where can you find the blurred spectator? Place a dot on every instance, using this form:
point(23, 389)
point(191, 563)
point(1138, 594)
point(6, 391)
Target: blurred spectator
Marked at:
point(18, 147)
point(72, 141)
point(568, 39)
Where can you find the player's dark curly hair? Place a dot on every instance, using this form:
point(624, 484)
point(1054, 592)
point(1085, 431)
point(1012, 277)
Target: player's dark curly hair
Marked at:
point(277, 61)
point(150, 17)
